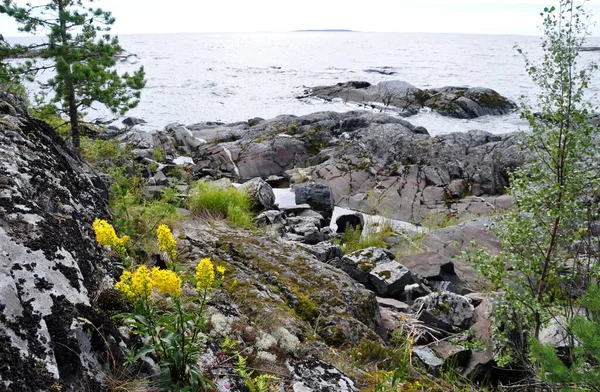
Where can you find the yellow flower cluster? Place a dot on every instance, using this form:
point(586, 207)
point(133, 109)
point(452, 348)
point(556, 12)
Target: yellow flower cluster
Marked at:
point(205, 274)
point(137, 284)
point(106, 235)
point(124, 285)
point(166, 242)
point(166, 282)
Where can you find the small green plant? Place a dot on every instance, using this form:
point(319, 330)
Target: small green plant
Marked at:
point(104, 154)
point(158, 155)
point(353, 239)
point(260, 383)
point(50, 116)
point(442, 220)
point(583, 374)
point(218, 202)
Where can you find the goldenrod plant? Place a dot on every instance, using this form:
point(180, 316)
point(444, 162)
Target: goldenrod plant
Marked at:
point(171, 325)
point(107, 236)
point(166, 243)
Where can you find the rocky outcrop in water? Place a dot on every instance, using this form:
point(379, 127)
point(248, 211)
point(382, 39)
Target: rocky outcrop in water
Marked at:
point(406, 99)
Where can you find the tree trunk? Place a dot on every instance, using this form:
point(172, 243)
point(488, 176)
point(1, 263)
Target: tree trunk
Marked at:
point(70, 98)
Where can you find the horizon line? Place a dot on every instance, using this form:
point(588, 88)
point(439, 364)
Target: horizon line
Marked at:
point(341, 31)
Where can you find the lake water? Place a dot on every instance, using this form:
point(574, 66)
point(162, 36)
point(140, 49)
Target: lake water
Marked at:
point(234, 77)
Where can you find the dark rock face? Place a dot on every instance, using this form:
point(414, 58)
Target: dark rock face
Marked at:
point(318, 196)
point(355, 220)
point(49, 262)
point(407, 100)
point(388, 169)
point(466, 103)
point(260, 192)
point(377, 269)
point(132, 121)
point(372, 162)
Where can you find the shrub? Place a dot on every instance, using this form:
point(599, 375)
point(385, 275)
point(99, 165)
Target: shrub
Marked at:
point(222, 203)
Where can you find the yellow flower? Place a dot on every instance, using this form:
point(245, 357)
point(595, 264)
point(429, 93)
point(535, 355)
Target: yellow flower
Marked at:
point(221, 270)
point(205, 274)
point(141, 282)
point(166, 282)
point(106, 235)
point(166, 242)
point(124, 284)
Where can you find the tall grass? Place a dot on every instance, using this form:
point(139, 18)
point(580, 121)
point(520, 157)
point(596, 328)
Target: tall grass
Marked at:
point(222, 203)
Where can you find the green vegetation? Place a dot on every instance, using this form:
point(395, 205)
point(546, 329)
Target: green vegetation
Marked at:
point(584, 371)
point(170, 323)
point(221, 202)
point(132, 213)
point(441, 220)
point(353, 239)
point(545, 238)
point(83, 62)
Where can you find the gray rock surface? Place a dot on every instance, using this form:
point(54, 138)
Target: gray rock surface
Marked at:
point(312, 375)
point(450, 308)
point(407, 100)
point(373, 162)
point(429, 359)
point(377, 269)
point(260, 192)
point(49, 262)
point(318, 196)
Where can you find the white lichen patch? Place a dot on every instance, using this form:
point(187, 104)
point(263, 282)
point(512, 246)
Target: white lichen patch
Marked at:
point(265, 341)
point(266, 356)
point(287, 341)
point(221, 324)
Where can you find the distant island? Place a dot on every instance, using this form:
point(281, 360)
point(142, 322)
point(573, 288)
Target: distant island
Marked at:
point(325, 31)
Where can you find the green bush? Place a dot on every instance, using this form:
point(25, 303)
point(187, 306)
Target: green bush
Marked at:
point(221, 203)
point(103, 154)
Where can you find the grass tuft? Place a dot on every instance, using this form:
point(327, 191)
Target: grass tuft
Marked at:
point(219, 202)
point(353, 239)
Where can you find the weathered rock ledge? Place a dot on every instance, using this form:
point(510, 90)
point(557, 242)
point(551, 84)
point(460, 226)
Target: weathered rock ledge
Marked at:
point(374, 163)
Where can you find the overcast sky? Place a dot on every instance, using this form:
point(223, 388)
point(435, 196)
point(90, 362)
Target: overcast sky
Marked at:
point(436, 16)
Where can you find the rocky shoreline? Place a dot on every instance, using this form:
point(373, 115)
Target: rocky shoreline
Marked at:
point(54, 278)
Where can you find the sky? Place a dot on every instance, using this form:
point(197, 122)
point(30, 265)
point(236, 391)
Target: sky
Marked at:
point(432, 16)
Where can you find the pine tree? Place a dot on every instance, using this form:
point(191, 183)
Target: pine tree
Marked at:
point(82, 55)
